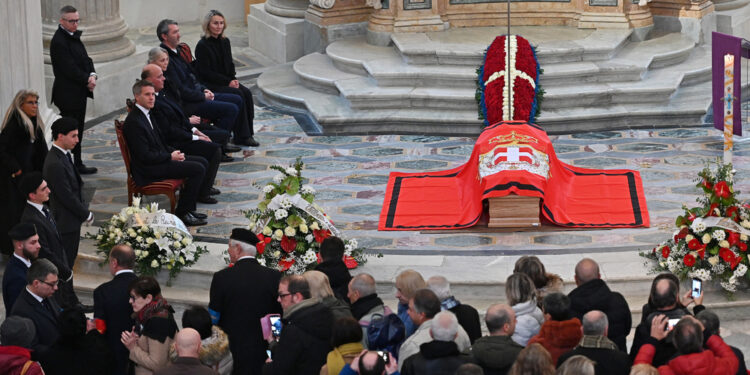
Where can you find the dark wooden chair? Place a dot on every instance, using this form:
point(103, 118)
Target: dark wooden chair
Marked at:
point(166, 187)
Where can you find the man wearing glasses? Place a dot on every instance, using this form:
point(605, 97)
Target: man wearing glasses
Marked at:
point(75, 77)
point(35, 303)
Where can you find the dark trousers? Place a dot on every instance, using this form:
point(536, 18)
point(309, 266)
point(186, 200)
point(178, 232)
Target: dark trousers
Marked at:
point(224, 111)
point(209, 151)
point(247, 99)
point(193, 169)
point(70, 242)
point(79, 114)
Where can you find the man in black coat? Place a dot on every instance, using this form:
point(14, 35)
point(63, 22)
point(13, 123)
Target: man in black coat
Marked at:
point(332, 251)
point(25, 250)
point(597, 347)
point(592, 293)
point(441, 355)
point(35, 303)
point(75, 77)
point(240, 295)
point(306, 330)
point(112, 304)
point(190, 142)
point(66, 186)
point(468, 316)
point(37, 213)
point(153, 160)
point(195, 98)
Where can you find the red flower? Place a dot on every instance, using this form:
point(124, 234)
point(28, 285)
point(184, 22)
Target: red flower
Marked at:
point(732, 213)
point(321, 234)
point(665, 252)
point(101, 325)
point(682, 234)
point(726, 254)
point(742, 246)
point(230, 265)
point(733, 238)
point(350, 262)
point(711, 210)
point(285, 264)
point(689, 260)
point(735, 262)
point(692, 216)
point(706, 185)
point(318, 258)
point(695, 244)
point(261, 246)
point(288, 244)
point(721, 189)
point(702, 253)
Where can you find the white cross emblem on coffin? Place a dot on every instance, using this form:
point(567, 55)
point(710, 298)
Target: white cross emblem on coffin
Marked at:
point(513, 157)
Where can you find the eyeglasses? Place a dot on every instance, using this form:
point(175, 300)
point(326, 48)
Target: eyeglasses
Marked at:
point(72, 21)
point(51, 285)
point(33, 102)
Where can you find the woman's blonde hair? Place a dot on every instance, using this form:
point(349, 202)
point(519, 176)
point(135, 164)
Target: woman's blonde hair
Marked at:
point(15, 109)
point(576, 365)
point(207, 19)
point(519, 288)
point(533, 360)
point(320, 286)
point(409, 282)
point(643, 369)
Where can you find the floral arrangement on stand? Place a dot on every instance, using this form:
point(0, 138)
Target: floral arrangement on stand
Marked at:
point(291, 226)
point(526, 94)
point(711, 240)
point(160, 240)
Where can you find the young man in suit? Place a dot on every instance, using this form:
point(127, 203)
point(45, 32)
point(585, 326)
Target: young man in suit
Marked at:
point(240, 295)
point(75, 77)
point(25, 250)
point(36, 212)
point(35, 303)
point(152, 159)
point(66, 185)
point(112, 304)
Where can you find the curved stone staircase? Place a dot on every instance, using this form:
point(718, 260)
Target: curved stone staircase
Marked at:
point(426, 82)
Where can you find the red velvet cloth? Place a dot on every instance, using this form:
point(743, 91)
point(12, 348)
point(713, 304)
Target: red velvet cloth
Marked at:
point(515, 158)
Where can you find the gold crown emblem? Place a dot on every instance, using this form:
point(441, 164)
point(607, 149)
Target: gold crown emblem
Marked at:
point(512, 139)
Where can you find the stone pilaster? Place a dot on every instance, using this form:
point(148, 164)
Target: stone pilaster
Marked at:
point(287, 8)
point(103, 28)
point(22, 60)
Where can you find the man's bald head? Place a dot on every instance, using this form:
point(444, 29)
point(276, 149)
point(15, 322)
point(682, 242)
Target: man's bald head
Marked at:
point(153, 73)
point(187, 343)
point(595, 323)
point(586, 270)
point(371, 364)
point(665, 294)
point(500, 320)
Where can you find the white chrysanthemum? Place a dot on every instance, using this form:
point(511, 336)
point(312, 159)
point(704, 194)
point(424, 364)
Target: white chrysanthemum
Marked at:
point(309, 238)
point(700, 273)
point(698, 226)
point(285, 203)
point(719, 235)
point(307, 189)
point(278, 178)
point(353, 243)
point(291, 171)
point(729, 286)
point(281, 214)
point(740, 270)
point(267, 189)
point(289, 231)
point(309, 257)
point(719, 269)
point(706, 238)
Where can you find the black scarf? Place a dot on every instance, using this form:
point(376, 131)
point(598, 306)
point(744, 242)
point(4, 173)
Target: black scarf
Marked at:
point(364, 305)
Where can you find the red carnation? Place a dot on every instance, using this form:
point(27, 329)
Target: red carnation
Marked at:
point(695, 244)
point(321, 234)
point(742, 246)
point(689, 260)
point(726, 254)
point(288, 244)
point(721, 189)
point(665, 252)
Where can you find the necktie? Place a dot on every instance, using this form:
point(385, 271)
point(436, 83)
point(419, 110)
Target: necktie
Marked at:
point(48, 306)
point(49, 217)
point(70, 158)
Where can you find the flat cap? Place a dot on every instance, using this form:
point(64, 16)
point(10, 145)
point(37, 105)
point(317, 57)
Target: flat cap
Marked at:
point(244, 235)
point(30, 181)
point(22, 231)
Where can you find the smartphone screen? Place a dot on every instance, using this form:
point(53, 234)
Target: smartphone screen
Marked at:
point(384, 355)
point(671, 323)
point(268, 353)
point(697, 288)
point(276, 326)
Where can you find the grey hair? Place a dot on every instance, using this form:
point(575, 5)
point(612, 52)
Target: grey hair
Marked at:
point(245, 247)
point(67, 9)
point(595, 323)
point(163, 27)
point(440, 286)
point(154, 54)
point(364, 283)
point(444, 326)
point(576, 365)
point(39, 271)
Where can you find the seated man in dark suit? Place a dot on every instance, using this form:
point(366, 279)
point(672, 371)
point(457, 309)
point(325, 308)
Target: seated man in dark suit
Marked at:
point(36, 212)
point(112, 304)
point(152, 160)
point(25, 250)
point(66, 187)
point(179, 137)
point(35, 303)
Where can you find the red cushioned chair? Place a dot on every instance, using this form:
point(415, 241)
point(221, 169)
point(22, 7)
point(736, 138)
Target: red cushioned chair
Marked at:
point(164, 187)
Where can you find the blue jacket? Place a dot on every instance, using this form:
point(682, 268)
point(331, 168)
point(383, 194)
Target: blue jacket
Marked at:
point(14, 281)
point(404, 315)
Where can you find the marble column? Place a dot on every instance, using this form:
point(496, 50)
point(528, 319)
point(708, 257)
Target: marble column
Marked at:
point(287, 8)
point(22, 61)
point(103, 28)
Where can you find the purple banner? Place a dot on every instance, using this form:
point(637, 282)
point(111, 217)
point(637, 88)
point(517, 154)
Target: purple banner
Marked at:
point(722, 44)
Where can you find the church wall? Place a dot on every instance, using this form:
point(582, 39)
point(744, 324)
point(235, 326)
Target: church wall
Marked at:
point(142, 13)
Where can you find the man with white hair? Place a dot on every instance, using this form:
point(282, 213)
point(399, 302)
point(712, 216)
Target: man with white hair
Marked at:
point(597, 347)
point(240, 295)
point(187, 344)
point(468, 317)
point(441, 355)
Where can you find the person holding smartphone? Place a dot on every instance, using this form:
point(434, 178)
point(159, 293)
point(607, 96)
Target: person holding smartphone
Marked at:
point(370, 362)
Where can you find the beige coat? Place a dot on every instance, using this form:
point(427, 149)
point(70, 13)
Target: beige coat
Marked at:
point(150, 355)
